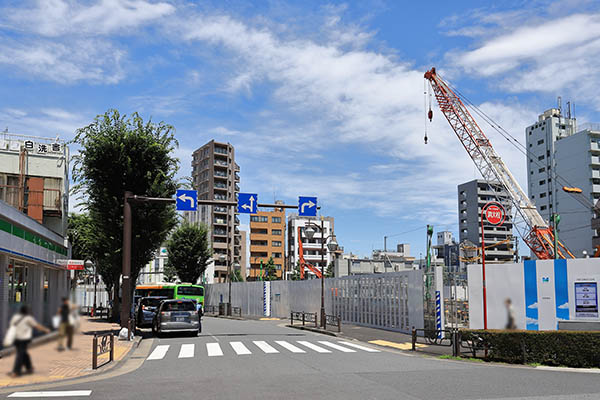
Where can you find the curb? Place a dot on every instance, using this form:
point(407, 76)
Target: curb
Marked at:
point(34, 343)
point(226, 317)
point(316, 330)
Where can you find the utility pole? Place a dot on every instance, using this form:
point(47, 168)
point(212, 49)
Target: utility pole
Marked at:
point(126, 271)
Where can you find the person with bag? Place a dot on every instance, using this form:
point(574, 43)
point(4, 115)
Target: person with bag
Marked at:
point(66, 327)
point(20, 332)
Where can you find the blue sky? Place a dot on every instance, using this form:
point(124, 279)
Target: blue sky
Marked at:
point(322, 99)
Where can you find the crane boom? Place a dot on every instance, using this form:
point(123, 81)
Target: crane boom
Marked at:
point(539, 237)
point(303, 262)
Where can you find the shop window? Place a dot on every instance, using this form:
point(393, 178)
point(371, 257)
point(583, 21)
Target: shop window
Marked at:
point(17, 284)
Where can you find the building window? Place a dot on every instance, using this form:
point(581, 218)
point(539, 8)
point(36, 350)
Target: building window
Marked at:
point(276, 232)
point(276, 255)
point(542, 208)
point(542, 182)
point(259, 218)
point(541, 170)
point(276, 243)
point(276, 220)
point(17, 283)
point(540, 141)
point(540, 158)
point(542, 195)
point(278, 266)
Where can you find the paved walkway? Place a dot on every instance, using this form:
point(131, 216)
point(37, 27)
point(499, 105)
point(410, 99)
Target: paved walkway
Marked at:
point(52, 365)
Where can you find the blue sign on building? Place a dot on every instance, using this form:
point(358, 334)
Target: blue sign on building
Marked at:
point(186, 200)
point(247, 203)
point(307, 206)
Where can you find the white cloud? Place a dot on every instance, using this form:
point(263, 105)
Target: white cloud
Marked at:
point(60, 17)
point(531, 321)
point(47, 122)
point(564, 306)
point(80, 60)
point(534, 306)
point(529, 52)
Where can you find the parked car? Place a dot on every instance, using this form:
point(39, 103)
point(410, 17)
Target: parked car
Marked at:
point(146, 308)
point(177, 316)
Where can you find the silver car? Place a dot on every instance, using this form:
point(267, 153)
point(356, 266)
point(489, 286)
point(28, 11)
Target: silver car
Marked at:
point(176, 316)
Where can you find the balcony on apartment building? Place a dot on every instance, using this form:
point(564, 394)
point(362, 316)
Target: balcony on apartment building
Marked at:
point(220, 221)
point(220, 174)
point(221, 150)
point(220, 232)
point(221, 163)
point(219, 196)
point(220, 210)
point(38, 196)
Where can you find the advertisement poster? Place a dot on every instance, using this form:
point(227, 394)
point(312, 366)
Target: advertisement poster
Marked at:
point(586, 300)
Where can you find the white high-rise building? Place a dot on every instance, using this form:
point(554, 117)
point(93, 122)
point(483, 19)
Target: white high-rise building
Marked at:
point(578, 163)
point(560, 156)
point(541, 139)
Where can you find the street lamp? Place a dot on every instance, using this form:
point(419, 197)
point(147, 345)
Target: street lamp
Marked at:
point(310, 230)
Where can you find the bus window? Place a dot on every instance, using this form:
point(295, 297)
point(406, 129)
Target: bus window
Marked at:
point(190, 291)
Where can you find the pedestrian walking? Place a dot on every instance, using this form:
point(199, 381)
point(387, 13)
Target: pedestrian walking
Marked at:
point(23, 324)
point(510, 315)
point(67, 325)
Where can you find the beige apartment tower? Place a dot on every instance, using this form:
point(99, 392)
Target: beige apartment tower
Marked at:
point(215, 177)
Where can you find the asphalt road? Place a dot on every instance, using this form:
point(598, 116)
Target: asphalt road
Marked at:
point(262, 360)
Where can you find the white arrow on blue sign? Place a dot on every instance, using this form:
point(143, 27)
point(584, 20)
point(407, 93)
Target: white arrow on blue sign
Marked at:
point(186, 200)
point(307, 206)
point(247, 203)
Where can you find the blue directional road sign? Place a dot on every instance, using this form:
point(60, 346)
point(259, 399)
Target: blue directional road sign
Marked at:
point(307, 206)
point(247, 203)
point(186, 200)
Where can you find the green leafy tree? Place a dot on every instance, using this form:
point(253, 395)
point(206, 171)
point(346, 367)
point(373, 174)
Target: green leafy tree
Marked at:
point(329, 272)
point(270, 271)
point(83, 242)
point(296, 272)
point(169, 273)
point(237, 276)
point(118, 154)
point(189, 250)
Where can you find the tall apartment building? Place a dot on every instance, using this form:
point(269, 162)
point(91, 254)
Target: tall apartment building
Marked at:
point(33, 222)
point(267, 239)
point(541, 141)
point(311, 247)
point(472, 196)
point(577, 161)
point(153, 272)
point(215, 177)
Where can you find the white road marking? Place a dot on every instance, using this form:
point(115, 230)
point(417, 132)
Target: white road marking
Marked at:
point(358, 346)
point(159, 352)
point(239, 348)
point(337, 347)
point(214, 350)
point(186, 351)
point(264, 346)
point(313, 346)
point(70, 393)
point(289, 346)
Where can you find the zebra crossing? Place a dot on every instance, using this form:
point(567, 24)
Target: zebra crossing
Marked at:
point(214, 349)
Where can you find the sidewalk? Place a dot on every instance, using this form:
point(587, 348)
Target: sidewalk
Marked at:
point(51, 365)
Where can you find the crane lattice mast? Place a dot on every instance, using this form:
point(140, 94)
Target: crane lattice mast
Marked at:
point(539, 235)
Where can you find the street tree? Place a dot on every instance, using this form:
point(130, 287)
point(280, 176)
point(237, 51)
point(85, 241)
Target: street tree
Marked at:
point(169, 273)
point(270, 270)
point(118, 154)
point(189, 251)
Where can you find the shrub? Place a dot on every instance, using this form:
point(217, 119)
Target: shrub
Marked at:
point(558, 348)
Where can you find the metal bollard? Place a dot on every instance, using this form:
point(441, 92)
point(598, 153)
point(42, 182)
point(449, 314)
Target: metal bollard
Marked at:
point(414, 339)
point(292, 318)
point(95, 352)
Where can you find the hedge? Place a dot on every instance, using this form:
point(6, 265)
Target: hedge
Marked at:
point(558, 348)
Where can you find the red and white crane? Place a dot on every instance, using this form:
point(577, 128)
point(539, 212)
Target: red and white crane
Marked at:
point(539, 236)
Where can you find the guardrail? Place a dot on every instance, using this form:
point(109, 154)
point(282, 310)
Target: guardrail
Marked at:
point(333, 320)
point(305, 317)
point(211, 309)
point(106, 345)
point(438, 337)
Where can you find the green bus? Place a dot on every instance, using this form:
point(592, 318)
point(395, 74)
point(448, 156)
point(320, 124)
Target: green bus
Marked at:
point(171, 291)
